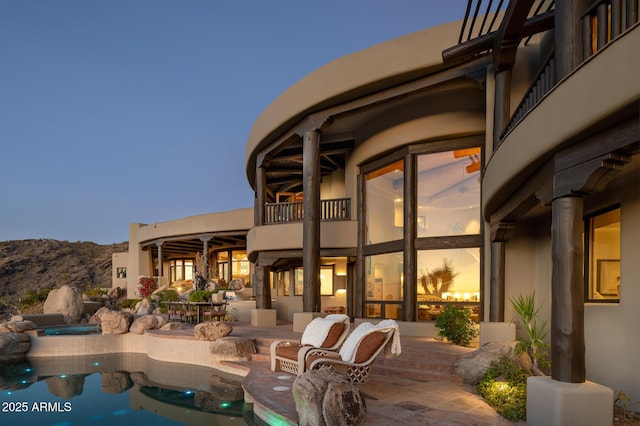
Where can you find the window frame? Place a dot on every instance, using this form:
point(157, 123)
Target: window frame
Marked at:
point(587, 243)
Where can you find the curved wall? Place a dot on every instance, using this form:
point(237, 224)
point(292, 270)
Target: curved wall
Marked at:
point(582, 99)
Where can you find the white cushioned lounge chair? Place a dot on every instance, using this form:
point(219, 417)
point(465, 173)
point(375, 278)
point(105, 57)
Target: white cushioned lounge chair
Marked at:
point(359, 350)
point(322, 333)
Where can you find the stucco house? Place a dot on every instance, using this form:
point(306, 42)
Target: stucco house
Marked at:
point(465, 164)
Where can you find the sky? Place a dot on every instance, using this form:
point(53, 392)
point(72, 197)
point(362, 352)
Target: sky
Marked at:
point(115, 112)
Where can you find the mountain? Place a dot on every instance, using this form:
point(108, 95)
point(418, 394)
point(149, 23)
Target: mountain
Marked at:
point(32, 265)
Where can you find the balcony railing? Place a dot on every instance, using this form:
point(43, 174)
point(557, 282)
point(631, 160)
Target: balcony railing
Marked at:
point(334, 209)
point(603, 21)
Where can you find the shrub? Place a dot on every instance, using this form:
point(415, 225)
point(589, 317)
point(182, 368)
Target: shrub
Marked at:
point(146, 286)
point(200, 296)
point(129, 303)
point(96, 292)
point(456, 325)
point(168, 296)
point(32, 298)
point(504, 387)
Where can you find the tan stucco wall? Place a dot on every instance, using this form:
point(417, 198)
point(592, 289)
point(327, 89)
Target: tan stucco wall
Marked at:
point(592, 92)
point(240, 219)
point(289, 236)
point(351, 76)
point(119, 260)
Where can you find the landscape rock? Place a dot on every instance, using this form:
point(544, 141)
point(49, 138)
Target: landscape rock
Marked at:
point(141, 324)
point(96, 318)
point(17, 326)
point(232, 349)
point(224, 389)
point(114, 292)
point(324, 397)
point(172, 326)
point(116, 382)
point(212, 330)
point(13, 345)
point(116, 322)
point(144, 307)
point(66, 301)
point(472, 366)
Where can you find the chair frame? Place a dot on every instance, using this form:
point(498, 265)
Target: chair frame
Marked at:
point(297, 367)
point(355, 372)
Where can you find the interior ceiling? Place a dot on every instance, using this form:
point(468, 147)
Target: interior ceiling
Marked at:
point(284, 173)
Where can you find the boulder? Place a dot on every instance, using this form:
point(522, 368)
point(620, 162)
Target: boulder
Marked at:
point(116, 382)
point(66, 301)
point(114, 292)
point(224, 389)
point(141, 324)
point(17, 326)
point(116, 322)
point(212, 330)
point(324, 397)
point(232, 349)
point(97, 317)
point(172, 326)
point(13, 345)
point(144, 307)
point(472, 366)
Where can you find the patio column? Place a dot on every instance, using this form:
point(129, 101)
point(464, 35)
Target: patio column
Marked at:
point(261, 283)
point(205, 255)
point(160, 265)
point(311, 221)
point(567, 286)
point(502, 103)
point(568, 36)
point(260, 194)
point(410, 269)
point(500, 233)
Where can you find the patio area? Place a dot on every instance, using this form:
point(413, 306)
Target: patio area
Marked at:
point(414, 388)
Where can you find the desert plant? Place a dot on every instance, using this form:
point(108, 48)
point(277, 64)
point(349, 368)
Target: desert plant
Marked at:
point(200, 296)
point(146, 286)
point(504, 387)
point(96, 292)
point(439, 280)
point(129, 303)
point(32, 297)
point(456, 325)
point(535, 346)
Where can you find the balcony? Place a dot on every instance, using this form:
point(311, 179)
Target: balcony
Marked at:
point(333, 209)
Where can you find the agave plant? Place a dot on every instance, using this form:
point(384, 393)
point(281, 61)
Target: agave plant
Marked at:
point(536, 347)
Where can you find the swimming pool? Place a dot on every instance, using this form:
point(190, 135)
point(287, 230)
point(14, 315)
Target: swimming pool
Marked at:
point(75, 329)
point(118, 389)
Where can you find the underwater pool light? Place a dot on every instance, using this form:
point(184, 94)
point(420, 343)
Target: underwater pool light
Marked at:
point(225, 404)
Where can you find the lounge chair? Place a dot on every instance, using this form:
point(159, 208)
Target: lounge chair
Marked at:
point(323, 332)
point(359, 351)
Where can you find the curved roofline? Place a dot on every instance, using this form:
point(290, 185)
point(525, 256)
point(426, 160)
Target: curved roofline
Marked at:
point(378, 67)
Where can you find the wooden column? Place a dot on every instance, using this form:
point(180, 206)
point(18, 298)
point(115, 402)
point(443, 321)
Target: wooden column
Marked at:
point(205, 255)
point(410, 231)
point(160, 264)
point(500, 233)
point(568, 36)
point(496, 295)
point(311, 221)
point(260, 196)
point(358, 296)
point(502, 103)
point(263, 286)
point(567, 282)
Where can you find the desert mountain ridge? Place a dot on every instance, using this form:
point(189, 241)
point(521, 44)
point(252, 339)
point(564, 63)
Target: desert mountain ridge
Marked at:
point(35, 264)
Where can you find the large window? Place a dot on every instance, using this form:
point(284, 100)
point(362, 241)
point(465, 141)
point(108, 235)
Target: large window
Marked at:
point(602, 243)
point(446, 196)
point(180, 269)
point(384, 210)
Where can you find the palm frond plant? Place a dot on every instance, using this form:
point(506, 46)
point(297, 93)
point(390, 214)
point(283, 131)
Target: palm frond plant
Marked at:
point(535, 346)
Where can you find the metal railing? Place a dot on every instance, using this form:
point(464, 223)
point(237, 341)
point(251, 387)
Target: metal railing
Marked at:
point(334, 209)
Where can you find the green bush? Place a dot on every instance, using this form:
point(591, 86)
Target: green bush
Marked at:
point(96, 292)
point(32, 298)
point(168, 296)
point(504, 387)
point(129, 303)
point(456, 325)
point(200, 296)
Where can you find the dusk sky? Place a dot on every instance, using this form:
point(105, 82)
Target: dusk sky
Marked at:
point(121, 111)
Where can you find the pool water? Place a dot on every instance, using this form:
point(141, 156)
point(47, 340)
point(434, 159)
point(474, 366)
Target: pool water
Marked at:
point(67, 330)
point(128, 389)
